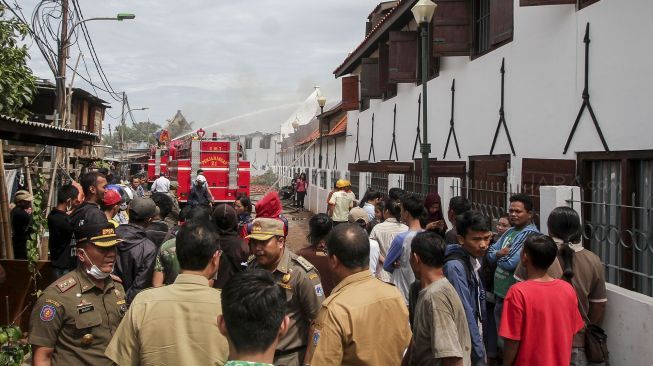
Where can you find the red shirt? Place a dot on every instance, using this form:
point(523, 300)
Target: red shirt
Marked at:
point(544, 317)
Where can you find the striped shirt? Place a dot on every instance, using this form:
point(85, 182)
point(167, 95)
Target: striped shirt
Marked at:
point(384, 233)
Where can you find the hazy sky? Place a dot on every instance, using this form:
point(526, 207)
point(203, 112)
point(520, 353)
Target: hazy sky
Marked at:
point(218, 59)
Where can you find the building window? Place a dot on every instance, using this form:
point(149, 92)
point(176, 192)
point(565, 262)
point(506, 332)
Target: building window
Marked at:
point(248, 142)
point(617, 211)
point(482, 21)
point(493, 24)
point(264, 143)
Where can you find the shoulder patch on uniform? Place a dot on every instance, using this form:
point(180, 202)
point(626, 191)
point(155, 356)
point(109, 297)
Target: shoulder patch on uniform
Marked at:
point(47, 313)
point(313, 276)
point(66, 284)
point(53, 302)
point(316, 337)
point(304, 263)
point(319, 291)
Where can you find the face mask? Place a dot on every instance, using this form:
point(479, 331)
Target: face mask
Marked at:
point(95, 271)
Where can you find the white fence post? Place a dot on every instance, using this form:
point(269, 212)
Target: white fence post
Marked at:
point(556, 196)
point(448, 187)
point(395, 180)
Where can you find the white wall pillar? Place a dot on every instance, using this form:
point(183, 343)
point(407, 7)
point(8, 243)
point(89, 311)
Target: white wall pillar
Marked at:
point(448, 187)
point(555, 196)
point(395, 180)
point(364, 180)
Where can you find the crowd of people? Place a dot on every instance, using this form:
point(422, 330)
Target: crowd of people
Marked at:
point(378, 281)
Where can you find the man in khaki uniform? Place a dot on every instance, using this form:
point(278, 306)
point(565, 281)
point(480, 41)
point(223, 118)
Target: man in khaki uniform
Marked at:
point(301, 281)
point(346, 331)
point(75, 317)
point(177, 324)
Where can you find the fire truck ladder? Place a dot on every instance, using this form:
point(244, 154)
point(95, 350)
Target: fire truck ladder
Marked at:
point(195, 159)
point(157, 162)
point(233, 164)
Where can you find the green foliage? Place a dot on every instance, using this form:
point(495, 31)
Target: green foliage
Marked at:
point(39, 223)
point(13, 351)
point(17, 83)
point(266, 179)
point(141, 131)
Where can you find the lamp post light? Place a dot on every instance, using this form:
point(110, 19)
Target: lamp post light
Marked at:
point(423, 12)
point(321, 101)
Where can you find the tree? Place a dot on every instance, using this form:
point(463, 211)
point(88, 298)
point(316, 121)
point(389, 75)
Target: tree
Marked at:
point(141, 131)
point(17, 83)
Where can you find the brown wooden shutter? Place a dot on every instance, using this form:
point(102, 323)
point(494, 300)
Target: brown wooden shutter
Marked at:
point(403, 57)
point(546, 172)
point(584, 3)
point(451, 28)
point(545, 2)
point(370, 85)
point(384, 54)
point(350, 93)
point(501, 21)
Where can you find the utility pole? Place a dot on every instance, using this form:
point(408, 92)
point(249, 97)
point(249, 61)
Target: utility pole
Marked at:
point(61, 78)
point(122, 137)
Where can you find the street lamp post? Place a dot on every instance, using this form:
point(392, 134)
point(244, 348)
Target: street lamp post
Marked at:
point(321, 101)
point(423, 12)
point(63, 52)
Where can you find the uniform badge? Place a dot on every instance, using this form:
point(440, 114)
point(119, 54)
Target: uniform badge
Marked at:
point(123, 309)
point(286, 278)
point(47, 313)
point(316, 337)
point(318, 290)
point(312, 276)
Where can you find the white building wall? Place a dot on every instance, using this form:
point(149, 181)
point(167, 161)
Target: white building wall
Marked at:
point(259, 158)
point(543, 87)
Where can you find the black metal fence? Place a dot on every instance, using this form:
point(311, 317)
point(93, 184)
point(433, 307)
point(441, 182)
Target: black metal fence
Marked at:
point(354, 178)
point(622, 236)
point(413, 184)
point(379, 182)
point(323, 179)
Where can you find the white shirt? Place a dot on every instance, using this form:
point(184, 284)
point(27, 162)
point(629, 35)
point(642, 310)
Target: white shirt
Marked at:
point(375, 252)
point(161, 184)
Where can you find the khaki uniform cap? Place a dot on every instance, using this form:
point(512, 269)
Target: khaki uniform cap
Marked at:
point(265, 228)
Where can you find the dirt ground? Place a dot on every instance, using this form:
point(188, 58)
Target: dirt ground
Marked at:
point(297, 224)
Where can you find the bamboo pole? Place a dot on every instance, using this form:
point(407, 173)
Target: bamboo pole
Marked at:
point(8, 249)
point(28, 175)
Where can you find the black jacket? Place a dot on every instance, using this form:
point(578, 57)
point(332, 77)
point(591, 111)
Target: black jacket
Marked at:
point(159, 232)
point(135, 262)
point(61, 233)
point(199, 196)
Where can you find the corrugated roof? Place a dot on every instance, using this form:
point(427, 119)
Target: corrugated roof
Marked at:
point(42, 133)
point(340, 127)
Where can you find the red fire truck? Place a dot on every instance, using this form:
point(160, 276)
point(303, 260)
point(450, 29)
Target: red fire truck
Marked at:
point(226, 174)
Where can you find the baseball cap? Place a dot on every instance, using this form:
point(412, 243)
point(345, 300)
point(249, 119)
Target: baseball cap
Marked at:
point(174, 184)
point(142, 208)
point(358, 213)
point(340, 183)
point(111, 197)
point(23, 195)
point(265, 228)
point(200, 178)
point(102, 235)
